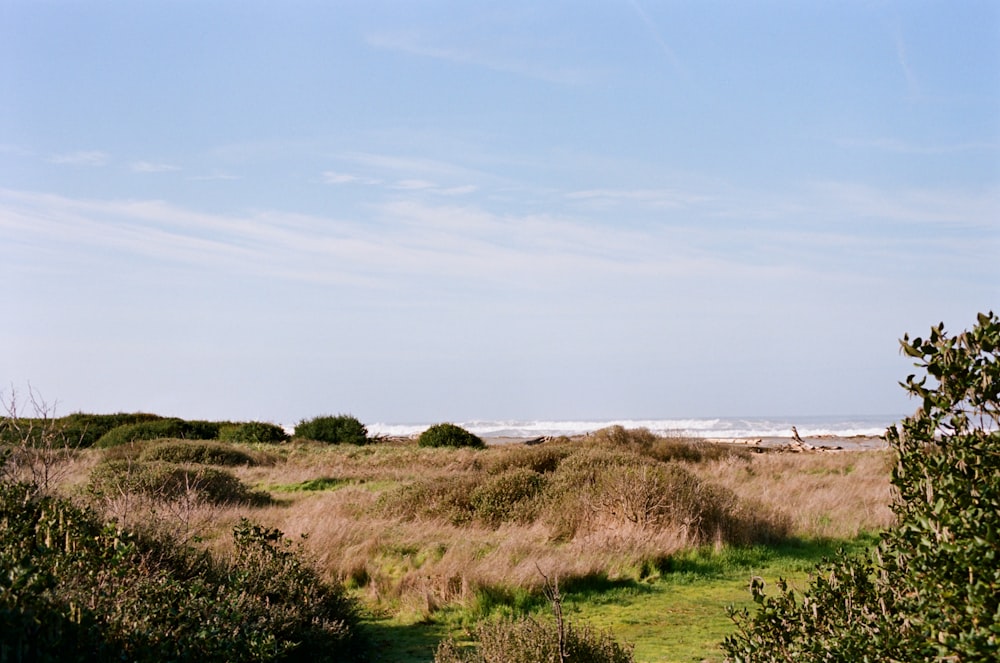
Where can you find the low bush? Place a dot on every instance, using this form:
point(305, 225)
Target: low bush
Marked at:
point(253, 432)
point(158, 429)
point(616, 487)
point(75, 430)
point(431, 498)
point(161, 481)
point(543, 458)
point(198, 452)
point(449, 435)
point(507, 497)
point(339, 429)
point(526, 640)
point(665, 448)
point(75, 590)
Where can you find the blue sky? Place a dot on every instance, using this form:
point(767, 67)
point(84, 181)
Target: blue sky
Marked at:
point(426, 211)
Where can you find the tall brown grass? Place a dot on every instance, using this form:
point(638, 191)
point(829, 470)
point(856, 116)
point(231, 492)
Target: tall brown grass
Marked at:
point(414, 529)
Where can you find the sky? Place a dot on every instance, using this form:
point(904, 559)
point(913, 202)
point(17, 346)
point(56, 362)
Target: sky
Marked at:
point(447, 211)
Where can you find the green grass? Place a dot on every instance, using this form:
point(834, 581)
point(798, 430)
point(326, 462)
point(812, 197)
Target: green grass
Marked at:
point(676, 614)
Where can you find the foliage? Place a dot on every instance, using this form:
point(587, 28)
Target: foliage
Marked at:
point(72, 589)
point(162, 481)
point(339, 429)
point(74, 430)
point(666, 449)
point(431, 498)
point(199, 452)
point(931, 590)
point(253, 432)
point(504, 497)
point(159, 429)
point(449, 435)
point(526, 640)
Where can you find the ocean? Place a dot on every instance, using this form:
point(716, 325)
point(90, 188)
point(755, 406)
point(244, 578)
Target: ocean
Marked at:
point(718, 427)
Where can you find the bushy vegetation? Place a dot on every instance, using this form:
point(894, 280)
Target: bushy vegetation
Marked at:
point(253, 432)
point(665, 448)
point(507, 496)
point(930, 591)
point(449, 435)
point(75, 430)
point(197, 452)
point(159, 480)
point(339, 429)
point(159, 429)
point(527, 640)
point(73, 589)
point(585, 490)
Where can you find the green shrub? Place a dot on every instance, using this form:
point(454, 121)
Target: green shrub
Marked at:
point(632, 489)
point(507, 497)
point(526, 640)
point(340, 429)
point(165, 481)
point(73, 589)
point(448, 500)
point(621, 437)
point(158, 429)
point(253, 432)
point(665, 448)
point(930, 591)
point(74, 430)
point(543, 458)
point(449, 435)
point(199, 452)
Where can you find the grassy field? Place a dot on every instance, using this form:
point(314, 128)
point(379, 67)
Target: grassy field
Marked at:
point(677, 617)
point(649, 537)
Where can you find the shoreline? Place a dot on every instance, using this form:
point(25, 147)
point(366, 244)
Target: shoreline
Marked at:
point(769, 443)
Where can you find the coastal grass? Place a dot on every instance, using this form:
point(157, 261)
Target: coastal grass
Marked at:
point(431, 540)
point(677, 616)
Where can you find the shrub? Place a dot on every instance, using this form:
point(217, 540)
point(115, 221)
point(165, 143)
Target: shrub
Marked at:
point(431, 498)
point(665, 448)
point(449, 435)
point(253, 432)
point(74, 430)
point(76, 590)
point(526, 640)
point(199, 452)
point(507, 496)
point(164, 482)
point(543, 459)
point(621, 437)
point(158, 429)
point(634, 490)
point(340, 429)
point(931, 589)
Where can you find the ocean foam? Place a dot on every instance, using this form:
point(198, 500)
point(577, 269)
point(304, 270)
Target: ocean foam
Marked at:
point(722, 427)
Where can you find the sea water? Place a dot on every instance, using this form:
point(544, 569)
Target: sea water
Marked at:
point(718, 427)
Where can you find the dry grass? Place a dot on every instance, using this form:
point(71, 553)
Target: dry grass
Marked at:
point(609, 508)
point(826, 495)
point(414, 563)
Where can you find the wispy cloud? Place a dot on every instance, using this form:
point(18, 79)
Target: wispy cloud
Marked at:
point(221, 176)
point(905, 147)
point(333, 177)
point(912, 84)
point(668, 198)
point(150, 167)
point(420, 44)
point(654, 31)
point(82, 158)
